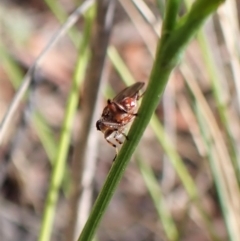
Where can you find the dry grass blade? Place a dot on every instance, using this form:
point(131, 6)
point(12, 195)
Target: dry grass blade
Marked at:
point(28, 77)
point(230, 27)
point(149, 39)
point(82, 156)
point(223, 163)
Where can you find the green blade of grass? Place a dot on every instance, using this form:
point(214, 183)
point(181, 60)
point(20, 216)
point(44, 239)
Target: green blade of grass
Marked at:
point(172, 154)
point(221, 167)
point(166, 59)
point(217, 93)
point(13, 70)
point(59, 163)
point(147, 173)
point(227, 209)
point(46, 136)
point(156, 195)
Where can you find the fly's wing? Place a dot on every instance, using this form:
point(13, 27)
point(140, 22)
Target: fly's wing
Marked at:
point(128, 92)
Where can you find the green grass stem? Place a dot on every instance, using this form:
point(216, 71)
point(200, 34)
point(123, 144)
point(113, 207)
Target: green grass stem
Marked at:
point(172, 154)
point(219, 100)
point(212, 157)
point(167, 57)
point(65, 138)
point(160, 204)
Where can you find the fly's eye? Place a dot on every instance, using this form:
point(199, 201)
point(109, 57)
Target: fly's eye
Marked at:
point(98, 124)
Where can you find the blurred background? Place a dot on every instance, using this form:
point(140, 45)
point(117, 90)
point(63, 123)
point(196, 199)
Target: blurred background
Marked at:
point(183, 182)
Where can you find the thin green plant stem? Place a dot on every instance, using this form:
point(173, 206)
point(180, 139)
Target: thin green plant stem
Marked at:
point(226, 172)
point(49, 143)
point(170, 18)
point(213, 75)
point(13, 70)
point(120, 66)
point(57, 10)
point(147, 172)
point(157, 128)
point(183, 174)
point(65, 137)
point(211, 152)
point(156, 195)
point(217, 92)
point(167, 57)
point(162, 138)
point(46, 136)
point(173, 156)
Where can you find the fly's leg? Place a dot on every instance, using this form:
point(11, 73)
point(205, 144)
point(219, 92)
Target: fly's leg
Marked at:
point(116, 136)
point(107, 136)
point(113, 145)
point(117, 132)
point(118, 141)
point(109, 142)
point(116, 154)
point(126, 137)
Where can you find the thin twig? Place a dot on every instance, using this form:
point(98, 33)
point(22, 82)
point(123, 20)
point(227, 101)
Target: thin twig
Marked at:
point(28, 77)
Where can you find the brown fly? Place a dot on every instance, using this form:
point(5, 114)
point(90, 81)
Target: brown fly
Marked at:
point(118, 113)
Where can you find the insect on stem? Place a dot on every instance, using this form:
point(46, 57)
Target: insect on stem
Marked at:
point(119, 112)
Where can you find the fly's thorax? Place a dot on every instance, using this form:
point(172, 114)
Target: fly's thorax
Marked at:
point(129, 104)
point(114, 113)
